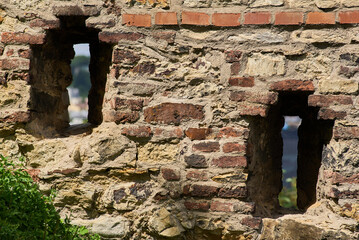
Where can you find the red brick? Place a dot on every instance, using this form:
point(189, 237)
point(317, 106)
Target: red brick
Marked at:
point(257, 18)
point(125, 56)
point(288, 18)
point(233, 132)
point(137, 20)
point(197, 133)
point(234, 147)
point(196, 190)
point(115, 37)
point(241, 81)
point(320, 18)
point(343, 194)
point(121, 116)
point(144, 68)
point(34, 173)
point(337, 178)
point(197, 206)
point(293, 85)
point(3, 78)
point(173, 113)
point(12, 64)
point(161, 196)
point(166, 18)
point(137, 131)
point(253, 110)
point(196, 161)
point(234, 192)
point(24, 76)
point(255, 97)
point(349, 17)
point(17, 117)
point(346, 132)
point(226, 19)
point(235, 68)
point(233, 56)
point(329, 100)
point(197, 175)
point(326, 113)
point(170, 133)
point(230, 161)
point(195, 18)
point(10, 52)
point(122, 104)
point(45, 24)
point(170, 174)
point(252, 222)
point(20, 38)
point(206, 147)
point(24, 53)
point(218, 206)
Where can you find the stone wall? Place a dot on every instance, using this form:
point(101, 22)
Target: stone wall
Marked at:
point(185, 113)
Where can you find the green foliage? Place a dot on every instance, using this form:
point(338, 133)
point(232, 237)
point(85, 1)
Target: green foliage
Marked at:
point(81, 75)
point(288, 196)
point(26, 214)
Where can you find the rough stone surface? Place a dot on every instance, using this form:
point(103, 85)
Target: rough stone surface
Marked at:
point(183, 139)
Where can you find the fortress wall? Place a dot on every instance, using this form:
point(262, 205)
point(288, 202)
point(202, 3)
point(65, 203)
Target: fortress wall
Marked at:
point(185, 113)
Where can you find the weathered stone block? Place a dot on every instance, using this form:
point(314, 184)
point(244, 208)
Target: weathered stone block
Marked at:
point(255, 97)
point(157, 153)
point(220, 206)
point(342, 86)
point(170, 174)
point(196, 161)
point(266, 3)
point(265, 65)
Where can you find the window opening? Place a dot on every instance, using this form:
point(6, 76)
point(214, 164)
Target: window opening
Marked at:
point(266, 149)
point(51, 76)
point(80, 86)
point(288, 196)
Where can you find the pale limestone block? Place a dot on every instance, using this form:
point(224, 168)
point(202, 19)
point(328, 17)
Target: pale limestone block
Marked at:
point(350, 3)
point(264, 3)
point(321, 36)
point(338, 86)
point(265, 65)
point(327, 3)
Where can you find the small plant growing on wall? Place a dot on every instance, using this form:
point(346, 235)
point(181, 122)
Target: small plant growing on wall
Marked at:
point(25, 213)
point(288, 196)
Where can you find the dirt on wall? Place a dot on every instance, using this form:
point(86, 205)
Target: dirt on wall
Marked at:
point(185, 111)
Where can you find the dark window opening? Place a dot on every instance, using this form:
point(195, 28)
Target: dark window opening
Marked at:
point(51, 76)
point(266, 152)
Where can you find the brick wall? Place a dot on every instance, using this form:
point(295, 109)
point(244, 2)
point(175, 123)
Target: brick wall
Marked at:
point(186, 110)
